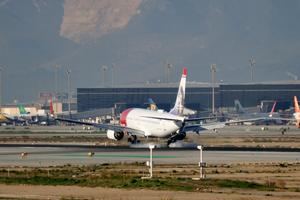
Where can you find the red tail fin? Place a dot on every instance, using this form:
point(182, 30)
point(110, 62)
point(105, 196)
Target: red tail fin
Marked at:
point(273, 108)
point(51, 107)
point(184, 71)
point(297, 110)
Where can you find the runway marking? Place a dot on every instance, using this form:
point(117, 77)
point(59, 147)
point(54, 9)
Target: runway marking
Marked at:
point(119, 156)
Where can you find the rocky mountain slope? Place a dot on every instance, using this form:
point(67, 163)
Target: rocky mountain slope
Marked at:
point(138, 37)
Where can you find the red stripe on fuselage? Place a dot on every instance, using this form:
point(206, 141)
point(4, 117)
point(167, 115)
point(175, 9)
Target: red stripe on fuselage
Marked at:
point(123, 117)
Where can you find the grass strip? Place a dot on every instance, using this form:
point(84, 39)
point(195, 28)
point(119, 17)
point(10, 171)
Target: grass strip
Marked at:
point(117, 181)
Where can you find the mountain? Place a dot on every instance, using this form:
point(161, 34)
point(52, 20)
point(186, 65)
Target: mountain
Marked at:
point(138, 37)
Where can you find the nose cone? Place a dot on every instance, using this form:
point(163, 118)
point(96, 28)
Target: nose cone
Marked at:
point(123, 117)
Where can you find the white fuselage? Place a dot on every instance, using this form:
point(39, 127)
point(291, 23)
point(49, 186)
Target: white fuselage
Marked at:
point(153, 123)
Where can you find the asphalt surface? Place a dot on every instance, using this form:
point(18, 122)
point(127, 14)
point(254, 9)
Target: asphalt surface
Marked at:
point(50, 156)
point(62, 154)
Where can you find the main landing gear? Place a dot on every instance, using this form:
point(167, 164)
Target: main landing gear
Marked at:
point(174, 138)
point(133, 139)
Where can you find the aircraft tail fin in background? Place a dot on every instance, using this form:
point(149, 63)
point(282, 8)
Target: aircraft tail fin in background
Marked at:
point(238, 107)
point(273, 109)
point(297, 112)
point(22, 110)
point(152, 104)
point(296, 104)
point(180, 99)
point(51, 107)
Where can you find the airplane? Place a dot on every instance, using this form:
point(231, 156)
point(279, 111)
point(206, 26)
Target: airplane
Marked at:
point(48, 118)
point(45, 117)
point(153, 123)
point(42, 117)
point(253, 116)
point(239, 109)
point(5, 119)
point(23, 112)
point(8, 119)
point(25, 116)
point(296, 114)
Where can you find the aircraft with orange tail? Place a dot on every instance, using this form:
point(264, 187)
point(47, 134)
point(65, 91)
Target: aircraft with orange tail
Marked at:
point(296, 114)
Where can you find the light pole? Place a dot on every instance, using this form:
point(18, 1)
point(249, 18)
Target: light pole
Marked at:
point(56, 68)
point(69, 91)
point(213, 69)
point(112, 74)
point(104, 69)
point(201, 163)
point(150, 163)
point(252, 65)
point(169, 66)
point(151, 147)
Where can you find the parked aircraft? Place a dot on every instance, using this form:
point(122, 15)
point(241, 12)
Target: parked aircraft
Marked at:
point(252, 116)
point(5, 119)
point(23, 112)
point(239, 109)
point(42, 117)
point(296, 114)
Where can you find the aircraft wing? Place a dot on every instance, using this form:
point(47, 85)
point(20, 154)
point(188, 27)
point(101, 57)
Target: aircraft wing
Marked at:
point(282, 118)
point(198, 119)
point(5, 117)
point(246, 120)
point(216, 125)
point(201, 127)
point(105, 126)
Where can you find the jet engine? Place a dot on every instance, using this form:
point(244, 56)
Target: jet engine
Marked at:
point(113, 135)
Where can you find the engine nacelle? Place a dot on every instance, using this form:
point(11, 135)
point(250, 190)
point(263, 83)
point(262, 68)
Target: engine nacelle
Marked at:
point(113, 135)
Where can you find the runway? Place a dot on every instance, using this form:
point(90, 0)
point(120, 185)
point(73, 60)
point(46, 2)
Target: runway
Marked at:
point(53, 156)
point(66, 145)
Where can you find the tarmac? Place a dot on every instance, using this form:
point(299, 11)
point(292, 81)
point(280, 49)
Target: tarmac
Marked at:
point(36, 154)
point(53, 156)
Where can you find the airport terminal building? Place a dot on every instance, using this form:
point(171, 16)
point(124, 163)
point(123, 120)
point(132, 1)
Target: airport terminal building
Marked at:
point(198, 95)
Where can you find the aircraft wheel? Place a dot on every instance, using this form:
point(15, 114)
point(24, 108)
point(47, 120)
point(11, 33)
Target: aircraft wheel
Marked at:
point(133, 139)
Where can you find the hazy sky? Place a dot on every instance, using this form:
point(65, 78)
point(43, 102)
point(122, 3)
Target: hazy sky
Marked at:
point(139, 37)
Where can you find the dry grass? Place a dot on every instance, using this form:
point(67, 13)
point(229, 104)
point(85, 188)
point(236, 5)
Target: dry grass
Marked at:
point(257, 180)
